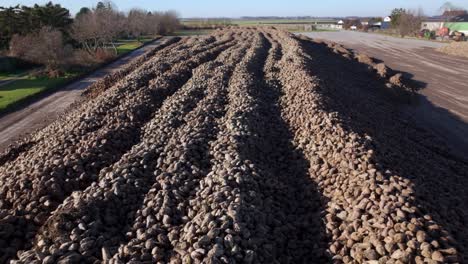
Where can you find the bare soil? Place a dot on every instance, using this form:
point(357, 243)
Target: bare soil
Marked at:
point(456, 49)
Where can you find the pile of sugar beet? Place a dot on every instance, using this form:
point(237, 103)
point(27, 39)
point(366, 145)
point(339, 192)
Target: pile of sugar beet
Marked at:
point(250, 145)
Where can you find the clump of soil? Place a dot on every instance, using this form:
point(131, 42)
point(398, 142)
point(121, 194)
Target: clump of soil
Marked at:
point(383, 70)
point(363, 58)
point(456, 49)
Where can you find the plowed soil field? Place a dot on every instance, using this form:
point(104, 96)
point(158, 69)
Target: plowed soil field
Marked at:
point(245, 146)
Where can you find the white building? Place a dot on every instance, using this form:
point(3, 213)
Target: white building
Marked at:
point(432, 25)
point(340, 24)
point(386, 23)
point(377, 24)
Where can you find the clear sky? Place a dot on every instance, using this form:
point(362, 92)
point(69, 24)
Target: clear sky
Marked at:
point(237, 8)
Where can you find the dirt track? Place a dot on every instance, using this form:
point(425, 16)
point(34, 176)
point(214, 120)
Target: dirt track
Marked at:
point(443, 102)
point(41, 113)
point(248, 146)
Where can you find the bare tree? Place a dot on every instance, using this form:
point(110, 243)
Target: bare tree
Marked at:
point(85, 31)
point(348, 23)
point(137, 22)
point(154, 25)
point(44, 47)
point(141, 22)
point(449, 6)
point(98, 28)
point(410, 22)
point(170, 21)
point(110, 25)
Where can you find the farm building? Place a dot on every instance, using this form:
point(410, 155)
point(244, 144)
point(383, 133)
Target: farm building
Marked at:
point(377, 25)
point(452, 14)
point(386, 23)
point(460, 18)
point(372, 23)
point(457, 23)
point(326, 23)
point(457, 26)
point(432, 24)
point(340, 24)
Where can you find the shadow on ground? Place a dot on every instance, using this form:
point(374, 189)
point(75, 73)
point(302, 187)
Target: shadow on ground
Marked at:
point(360, 99)
point(285, 219)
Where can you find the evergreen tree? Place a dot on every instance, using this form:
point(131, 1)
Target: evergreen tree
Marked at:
point(23, 20)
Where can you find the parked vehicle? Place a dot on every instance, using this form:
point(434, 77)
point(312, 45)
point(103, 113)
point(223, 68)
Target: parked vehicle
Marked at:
point(458, 36)
point(422, 33)
point(427, 34)
point(443, 32)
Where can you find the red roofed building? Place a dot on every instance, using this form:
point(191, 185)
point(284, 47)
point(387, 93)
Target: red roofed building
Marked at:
point(454, 13)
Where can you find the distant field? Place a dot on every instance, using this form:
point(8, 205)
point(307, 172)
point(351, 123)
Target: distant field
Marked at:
point(314, 30)
point(253, 22)
point(269, 22)
point(206, 22)
point(298, 25)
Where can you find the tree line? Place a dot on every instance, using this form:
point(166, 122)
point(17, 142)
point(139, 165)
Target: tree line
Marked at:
point(48, 35)
point(98, 27)
point(407, 22)
point(22, 20)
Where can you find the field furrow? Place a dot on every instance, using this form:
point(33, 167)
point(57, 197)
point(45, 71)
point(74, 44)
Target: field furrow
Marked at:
point(250, 145)
point(112, 210)
point(108, 81)
point(422, 181)
point(184, 165)
point(96, 150)
point(89, 117)
point(373, 210)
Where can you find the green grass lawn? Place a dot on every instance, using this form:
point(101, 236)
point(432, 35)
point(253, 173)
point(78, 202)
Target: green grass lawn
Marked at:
point(9, 75)
point(144, 39)
point(20, 89)
point(191, 32)
point(127, 47)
